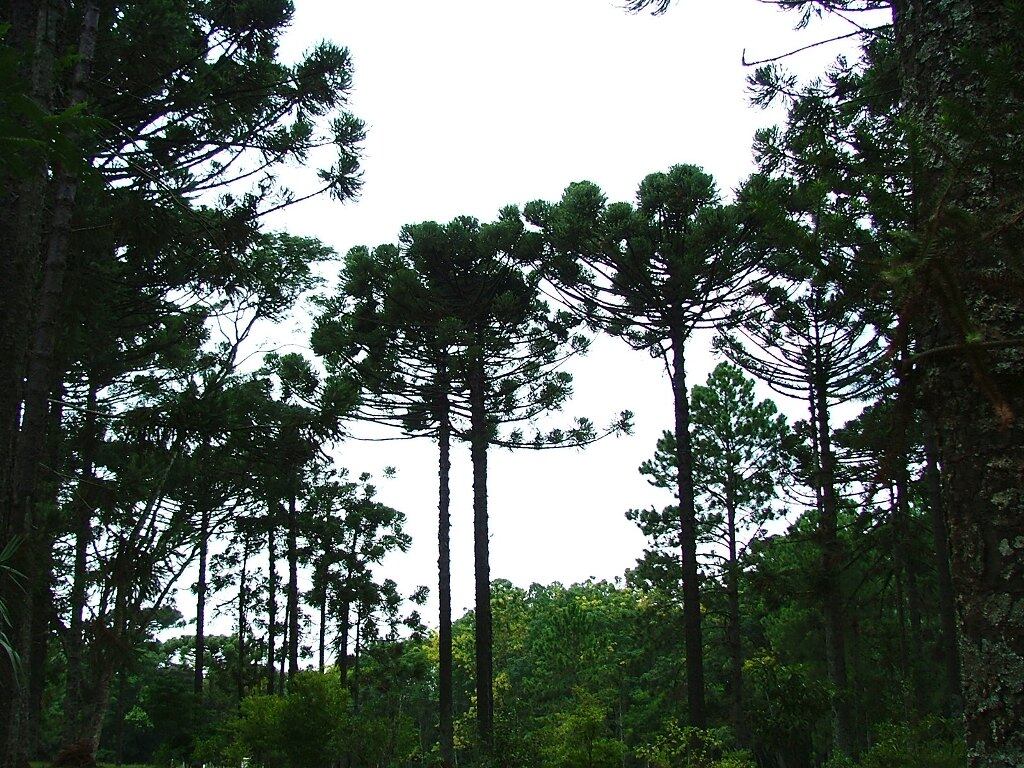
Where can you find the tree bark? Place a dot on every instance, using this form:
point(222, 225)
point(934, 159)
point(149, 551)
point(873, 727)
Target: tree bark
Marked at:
point(484, 638)
point(688, 538)
point(34, 35)
point(17, 504)
point(972, 177)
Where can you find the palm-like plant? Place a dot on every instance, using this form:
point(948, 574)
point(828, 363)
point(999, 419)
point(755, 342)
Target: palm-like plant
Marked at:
point(7, 572)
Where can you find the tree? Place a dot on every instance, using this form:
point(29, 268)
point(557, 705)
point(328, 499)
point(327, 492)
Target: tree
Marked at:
point(153, 141)
point(653, 275)
point(808, 342)
point(957, 65)
point(514, 346)
point(387, 328)
point(740, 458)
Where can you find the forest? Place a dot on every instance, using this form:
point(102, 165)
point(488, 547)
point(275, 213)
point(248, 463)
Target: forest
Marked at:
point(843, 588)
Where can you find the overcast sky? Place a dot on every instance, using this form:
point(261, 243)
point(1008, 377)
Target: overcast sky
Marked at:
point(473, 104)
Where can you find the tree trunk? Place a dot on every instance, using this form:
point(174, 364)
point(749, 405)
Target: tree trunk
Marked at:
point(283, 655)
point(950, 52)
point(901, 512)
point(82, 506)
point(271, 601)
point(481, 555)
point(735, 641)
point(688, 538)
point(346, 610)
point(243, 598)
point(33, 34)
point(201, 587)
point(947, 605)
point(323, 624)
point(833, 608)
point(444, 577)
point(293, 588)
point(17, 504)
point(358, 653)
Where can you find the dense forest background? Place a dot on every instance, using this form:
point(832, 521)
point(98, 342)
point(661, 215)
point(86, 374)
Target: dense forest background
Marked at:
point(837, 588)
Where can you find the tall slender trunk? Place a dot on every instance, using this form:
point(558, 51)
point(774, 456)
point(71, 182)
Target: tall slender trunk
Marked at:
point(735, 642)
point(944, 579)
point(119, 714)
point(899, 460)
point(688, 537)
point(481, 555)
point(901, 615)
point(832, 556)
point(82, 507)
point(293, 588)
point(444, 576)
point(283, 655)
point(243, 598)
point(323, 622)
point(346, 609)
point(916, 653)
point(271, 600)
point(201, 588)
point(358, 655)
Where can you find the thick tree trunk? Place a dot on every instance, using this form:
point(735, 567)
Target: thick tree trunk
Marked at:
point(688, 538)
point(201, 588)
point(271, 600)
point(34, 35)
point(957, 53)
point(444, 580)
point(833, 603)
point(293, 588)
point(944, 579)
point(481, 555)
point(17, 503)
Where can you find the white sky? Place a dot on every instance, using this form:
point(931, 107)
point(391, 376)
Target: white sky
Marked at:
point(473, 104)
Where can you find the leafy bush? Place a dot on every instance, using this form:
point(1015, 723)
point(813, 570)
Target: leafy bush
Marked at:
point(784, 707)
point(932, 744)
point(690, 747)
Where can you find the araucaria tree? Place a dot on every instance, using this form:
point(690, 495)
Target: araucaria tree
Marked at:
point(653, 274)
point(511, 347)
point(394, 332)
